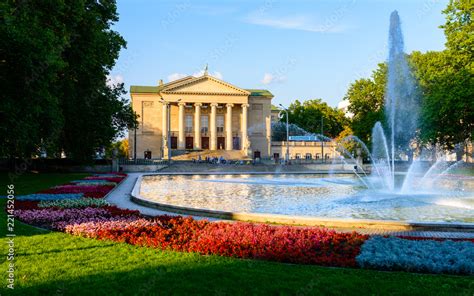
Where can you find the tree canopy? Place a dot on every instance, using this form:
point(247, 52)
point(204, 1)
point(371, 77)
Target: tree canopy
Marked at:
point(55, 59)
point(308, 114)
point(366, 98)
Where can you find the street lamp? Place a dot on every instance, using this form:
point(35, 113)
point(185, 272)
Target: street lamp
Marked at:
point(280, 115)
point(168, 125)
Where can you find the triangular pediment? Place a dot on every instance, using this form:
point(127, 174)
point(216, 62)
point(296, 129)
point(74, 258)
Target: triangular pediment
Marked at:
point(204, 85)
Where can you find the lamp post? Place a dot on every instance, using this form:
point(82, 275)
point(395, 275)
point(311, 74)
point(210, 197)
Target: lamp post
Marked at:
point(280, 115)
point(168, 127)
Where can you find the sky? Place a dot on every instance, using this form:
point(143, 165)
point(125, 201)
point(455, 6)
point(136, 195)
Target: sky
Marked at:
point(296, 49)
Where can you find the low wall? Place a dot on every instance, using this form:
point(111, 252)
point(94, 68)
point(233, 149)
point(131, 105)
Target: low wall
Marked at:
point(141, 168)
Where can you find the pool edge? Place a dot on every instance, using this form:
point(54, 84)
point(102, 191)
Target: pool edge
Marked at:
point(297, 220)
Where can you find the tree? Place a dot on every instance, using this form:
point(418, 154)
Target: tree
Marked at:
point(122, 147)
point(307, 115)
point(459, 77)
point(33, 39)
point(458, 31)
point(95, 112)
point(366, 98)
point(56, 57)
point(447, 116)
point(447, 81)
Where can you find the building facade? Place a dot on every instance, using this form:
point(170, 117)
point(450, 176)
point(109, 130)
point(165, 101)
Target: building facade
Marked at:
point(200, 113)
point(307, 150)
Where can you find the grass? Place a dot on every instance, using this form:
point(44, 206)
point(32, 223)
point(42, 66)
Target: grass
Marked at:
point(59, 264)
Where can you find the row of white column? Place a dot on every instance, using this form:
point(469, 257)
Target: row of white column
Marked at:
point(212, 125)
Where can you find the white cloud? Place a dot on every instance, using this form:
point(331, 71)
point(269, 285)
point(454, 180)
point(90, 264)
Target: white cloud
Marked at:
point(113, 80)
point(344, 106)
point(296, 22)
point(270, 78)
point(176, 76)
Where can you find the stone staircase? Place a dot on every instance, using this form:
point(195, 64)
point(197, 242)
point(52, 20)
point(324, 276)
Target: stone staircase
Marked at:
point(227, 154)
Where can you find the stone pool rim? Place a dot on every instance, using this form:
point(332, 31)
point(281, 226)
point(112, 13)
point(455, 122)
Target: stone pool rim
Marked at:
point(289, 219)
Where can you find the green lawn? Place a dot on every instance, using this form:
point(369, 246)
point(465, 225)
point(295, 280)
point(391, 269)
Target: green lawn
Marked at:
point(59, 264)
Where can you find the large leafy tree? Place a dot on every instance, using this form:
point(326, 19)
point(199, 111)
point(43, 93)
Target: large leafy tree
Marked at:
point(308, 114)
point(447, 80)
point(366, 98)
point(33, 39)
point(447, 111)
point(56, 56)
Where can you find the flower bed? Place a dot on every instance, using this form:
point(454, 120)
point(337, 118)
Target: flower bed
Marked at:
point(243, 240)
point(93, 183)
point(26, 205)
point(95, 191)
point(47, 216)
point(51, 196)
point(74, 203)
point(432, 256)
point(90, 182)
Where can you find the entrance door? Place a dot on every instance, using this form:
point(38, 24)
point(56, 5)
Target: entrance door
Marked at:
point(147, 154)
point(205, 142)
point(174, 142)
point(236, 143)
point(256, 154)
point(189, 142)
point(220, 143)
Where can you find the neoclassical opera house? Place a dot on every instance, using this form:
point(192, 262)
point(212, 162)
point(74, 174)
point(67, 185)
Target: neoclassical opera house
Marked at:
point(203, 113)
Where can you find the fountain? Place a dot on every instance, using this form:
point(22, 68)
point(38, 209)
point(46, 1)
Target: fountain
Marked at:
point(402, 107)
point(419, 193)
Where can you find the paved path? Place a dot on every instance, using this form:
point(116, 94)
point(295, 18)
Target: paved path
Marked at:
point(120, 197)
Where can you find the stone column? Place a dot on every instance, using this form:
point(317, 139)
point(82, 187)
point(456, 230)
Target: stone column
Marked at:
point(164, 130)
point(212, 126)
point(197, 126)
point(181, 135)
point(244, 127)
point(228, 127)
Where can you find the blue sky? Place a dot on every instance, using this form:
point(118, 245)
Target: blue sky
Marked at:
point(296, 49)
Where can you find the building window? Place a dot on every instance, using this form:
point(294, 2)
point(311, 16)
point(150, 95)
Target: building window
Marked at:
point(298, 155)
point(220, 124)
point(204, 124)
point(189, 124)
point(318, 156)
point(308, 156)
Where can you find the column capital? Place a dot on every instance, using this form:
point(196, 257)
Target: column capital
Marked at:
point(229, 105)
point(165, 103)
point(197, 104)
point(214, 104)
point(181, 104)
point(245, 105)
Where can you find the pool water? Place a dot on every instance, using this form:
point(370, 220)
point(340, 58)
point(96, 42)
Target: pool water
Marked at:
point(341, 196)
